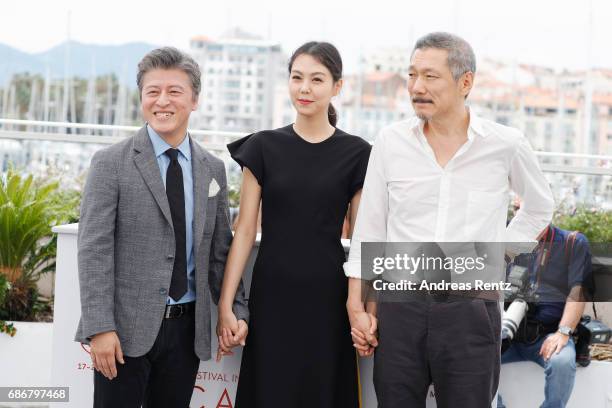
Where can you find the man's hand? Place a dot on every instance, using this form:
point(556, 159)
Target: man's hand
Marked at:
point(230, 332)
point(364, 326)
point(105, 348)
point(553, 344)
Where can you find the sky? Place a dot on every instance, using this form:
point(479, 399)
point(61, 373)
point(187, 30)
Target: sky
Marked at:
point(561, 34)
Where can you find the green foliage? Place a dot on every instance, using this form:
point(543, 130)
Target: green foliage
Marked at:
point(5, 286)
point(233, 189)
point(7, 328)
point(28, 211)
point(596, 225)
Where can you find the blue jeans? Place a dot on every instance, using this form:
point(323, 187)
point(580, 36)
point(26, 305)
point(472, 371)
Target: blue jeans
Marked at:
point(560, 370)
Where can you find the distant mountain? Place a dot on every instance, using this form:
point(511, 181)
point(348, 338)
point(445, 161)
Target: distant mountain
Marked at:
point(85, 60)
point(13, 60)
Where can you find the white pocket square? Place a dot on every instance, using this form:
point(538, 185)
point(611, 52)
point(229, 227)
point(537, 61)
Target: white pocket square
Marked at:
point(213, 188)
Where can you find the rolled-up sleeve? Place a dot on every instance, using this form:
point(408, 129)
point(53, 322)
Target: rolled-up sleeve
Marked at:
point(371, 223)
point(537, 204)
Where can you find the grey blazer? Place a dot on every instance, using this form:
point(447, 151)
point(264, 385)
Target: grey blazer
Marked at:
point(126, 245)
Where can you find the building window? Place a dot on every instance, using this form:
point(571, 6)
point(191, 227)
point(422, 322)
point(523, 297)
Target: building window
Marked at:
point(232, 96)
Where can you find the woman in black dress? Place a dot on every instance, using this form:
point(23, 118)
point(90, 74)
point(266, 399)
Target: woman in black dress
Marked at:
point(299, 351)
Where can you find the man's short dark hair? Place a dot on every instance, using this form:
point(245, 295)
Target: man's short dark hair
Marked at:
point(170, 58)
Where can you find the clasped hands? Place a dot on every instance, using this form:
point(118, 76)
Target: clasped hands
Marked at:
point(231, 332)
point(364, 327)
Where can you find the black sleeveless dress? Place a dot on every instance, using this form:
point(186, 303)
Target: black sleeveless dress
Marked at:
point(299, 351)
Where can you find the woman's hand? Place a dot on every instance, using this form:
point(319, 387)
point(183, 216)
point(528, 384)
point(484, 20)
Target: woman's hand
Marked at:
point(364, 327)
point(230, 333)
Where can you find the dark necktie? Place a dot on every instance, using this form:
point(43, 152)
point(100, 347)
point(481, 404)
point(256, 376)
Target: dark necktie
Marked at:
point(176, 199)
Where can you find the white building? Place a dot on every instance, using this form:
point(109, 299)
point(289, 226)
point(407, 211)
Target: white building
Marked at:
point(372, 101)
point(239, 75)
point(394, 59)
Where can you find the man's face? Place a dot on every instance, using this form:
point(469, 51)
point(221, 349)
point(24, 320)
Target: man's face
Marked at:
point(167, 101)
point(433, 91)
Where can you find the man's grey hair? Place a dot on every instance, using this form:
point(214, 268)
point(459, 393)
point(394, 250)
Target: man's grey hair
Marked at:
point(461, 58)
point(170, 58)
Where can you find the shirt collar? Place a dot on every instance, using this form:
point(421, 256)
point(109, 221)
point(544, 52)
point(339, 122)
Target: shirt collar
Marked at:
point(475, 125)
point(160, 145)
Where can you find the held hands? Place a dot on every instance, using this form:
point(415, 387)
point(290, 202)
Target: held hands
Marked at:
point(364, 326)
point(230, 332)
point(105, 348)
point(553, 344)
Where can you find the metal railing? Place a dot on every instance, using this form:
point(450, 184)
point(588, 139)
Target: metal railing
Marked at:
point(74, 137)
point(216, 140)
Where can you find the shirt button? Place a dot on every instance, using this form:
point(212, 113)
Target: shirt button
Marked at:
point(163, 291)
point(170, 256)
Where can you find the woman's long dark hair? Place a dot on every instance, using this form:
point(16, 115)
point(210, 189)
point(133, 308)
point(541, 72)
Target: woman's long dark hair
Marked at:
point(327, 55)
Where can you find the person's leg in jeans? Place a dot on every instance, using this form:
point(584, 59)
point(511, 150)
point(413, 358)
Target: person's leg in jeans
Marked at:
point(560, 373)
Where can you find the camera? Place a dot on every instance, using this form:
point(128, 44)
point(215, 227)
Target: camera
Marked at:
point(521, 292)
point(589, 331)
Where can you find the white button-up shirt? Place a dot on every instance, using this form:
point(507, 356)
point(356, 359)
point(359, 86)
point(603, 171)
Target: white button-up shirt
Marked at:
point(408, 197)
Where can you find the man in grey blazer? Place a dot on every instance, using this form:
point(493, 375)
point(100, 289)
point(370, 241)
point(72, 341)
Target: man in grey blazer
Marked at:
point(154, 234)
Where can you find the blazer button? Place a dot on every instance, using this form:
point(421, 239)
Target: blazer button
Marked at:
point(163, 291)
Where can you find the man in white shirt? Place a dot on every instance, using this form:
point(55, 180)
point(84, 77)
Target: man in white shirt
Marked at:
point(443, 176)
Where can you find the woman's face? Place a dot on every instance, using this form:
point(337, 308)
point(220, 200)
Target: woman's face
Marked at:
point(311, 86)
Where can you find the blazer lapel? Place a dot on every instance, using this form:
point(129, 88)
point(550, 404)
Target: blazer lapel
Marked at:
point(202, 174)
point(146, 162)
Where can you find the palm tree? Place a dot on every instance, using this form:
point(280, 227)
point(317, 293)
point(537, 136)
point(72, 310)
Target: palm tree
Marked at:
point(28, 211)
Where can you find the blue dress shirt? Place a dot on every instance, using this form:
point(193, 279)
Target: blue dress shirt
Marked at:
point(184, 158)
